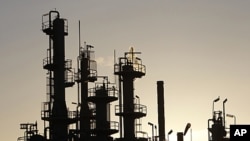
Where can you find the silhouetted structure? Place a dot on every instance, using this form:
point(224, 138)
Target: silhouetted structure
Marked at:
point(128, 69)
point(60, 76)
point(180, 136)
point(92, 115)
point(216, 125)
point(102, 94)
point(30, 131)
point(217, 129)
point(161, 112)
point(87, 72)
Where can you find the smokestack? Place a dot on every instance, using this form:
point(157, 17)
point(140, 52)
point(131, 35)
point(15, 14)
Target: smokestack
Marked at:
point(161, 114)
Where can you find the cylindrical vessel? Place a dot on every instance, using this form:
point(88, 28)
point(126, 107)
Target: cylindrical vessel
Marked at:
point(179, 136)
point(161, 113)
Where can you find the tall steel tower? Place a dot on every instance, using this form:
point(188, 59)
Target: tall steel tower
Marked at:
point(87, 72)
point(128, 69)
point(60, 76)
point(102, 95)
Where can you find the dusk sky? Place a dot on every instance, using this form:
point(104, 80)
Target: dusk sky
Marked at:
point(199, 48)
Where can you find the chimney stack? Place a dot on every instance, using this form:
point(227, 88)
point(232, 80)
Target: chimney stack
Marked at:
point(161, 114)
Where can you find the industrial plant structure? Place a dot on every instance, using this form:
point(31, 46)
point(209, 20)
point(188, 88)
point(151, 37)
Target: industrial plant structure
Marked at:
point(92, 116)
point(91, 119)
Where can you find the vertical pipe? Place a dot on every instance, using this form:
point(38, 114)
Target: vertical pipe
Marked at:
point(161, 117)
point(224, 122)
point(153, 132)
point(120, 101)
point(152, 126)
point(84, 111)
point(179, 136)
point(78, 76)
point(128, 103)
point(102, 122)
point(50, 78)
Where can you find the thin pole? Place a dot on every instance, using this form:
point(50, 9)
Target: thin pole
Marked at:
point(78, 85)
point(79, 37)
point(191, 138)
point(115, 64)
point(120, 100)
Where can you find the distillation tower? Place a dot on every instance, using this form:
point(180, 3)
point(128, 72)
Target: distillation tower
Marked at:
point(102, 95)
point(94, 120)
point(86, 72)
point(128, 69)
point(60, 76)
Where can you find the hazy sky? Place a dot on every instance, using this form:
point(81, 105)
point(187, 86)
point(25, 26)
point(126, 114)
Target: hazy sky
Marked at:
point(199, 48)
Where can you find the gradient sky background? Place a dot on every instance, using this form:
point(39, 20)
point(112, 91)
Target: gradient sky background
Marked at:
point(199, 48)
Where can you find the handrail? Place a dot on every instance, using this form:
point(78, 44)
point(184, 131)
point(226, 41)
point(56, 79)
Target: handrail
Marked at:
point(69, 77)
point(68, 64)
point(142, 133)
point(49, 25)
point(47, 61)
point(111, 92)
point(138, 108)
point(112, 125)
point(136, 67)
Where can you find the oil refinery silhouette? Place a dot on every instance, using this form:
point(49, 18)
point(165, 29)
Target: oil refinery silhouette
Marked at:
point(91, 119)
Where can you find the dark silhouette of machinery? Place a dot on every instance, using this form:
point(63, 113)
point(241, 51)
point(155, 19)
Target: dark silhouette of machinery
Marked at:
point(216, 125)
point(91, 119)
point(128, 69)
point(86, 72)
point(60, 76)
point(30, 131)
point(161, 112)
point(180, 135)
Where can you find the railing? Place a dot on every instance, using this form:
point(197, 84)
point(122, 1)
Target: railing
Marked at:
point(46, 112)
point(136, 67)
point(138, 108)
point(46, 25)
point(139, 68)
point(66, 28)
point(90, 54)
point(46, 107)
point(69, 77)
point(92, 65)
point(68, 64)
point(92, 76)
point(49, 88)
point(141, 134)
point(73, 114)
point(110, 125)
point(47, 61)
point(77, 76)
point(111, 92)
point(49, 25)
point(114, 125)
